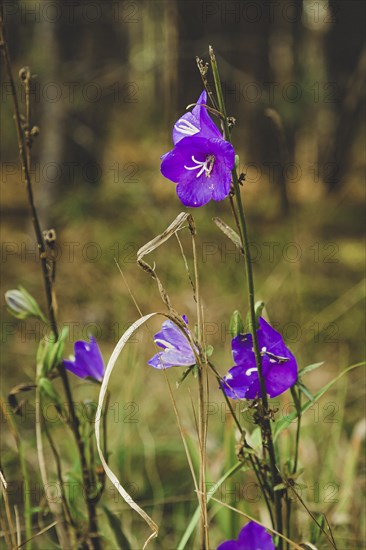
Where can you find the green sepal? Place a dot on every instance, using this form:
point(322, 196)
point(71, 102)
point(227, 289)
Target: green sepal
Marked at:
point(209, 350)
point(236, 325)
point(49, 353)
point(258, 309)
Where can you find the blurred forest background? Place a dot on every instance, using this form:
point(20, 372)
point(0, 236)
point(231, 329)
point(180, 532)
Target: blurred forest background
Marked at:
point(111, 79)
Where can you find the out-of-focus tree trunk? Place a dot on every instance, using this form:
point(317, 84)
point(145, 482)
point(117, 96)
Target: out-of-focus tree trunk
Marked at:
point(346, 61)
point(51, 123)
point(170, 55)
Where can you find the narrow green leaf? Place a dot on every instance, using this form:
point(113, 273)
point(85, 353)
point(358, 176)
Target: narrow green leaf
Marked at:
point(48, 389)
point(286, 421)
point(194, 520)
point(316, 531)
point(115, 524)
point(309, 368)
point(305, 391)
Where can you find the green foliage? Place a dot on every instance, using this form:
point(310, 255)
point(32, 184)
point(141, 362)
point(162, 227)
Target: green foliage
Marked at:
point(285, 421)
point(209, 350)
point(50, 353)
point(48, 390)
point(258, 309)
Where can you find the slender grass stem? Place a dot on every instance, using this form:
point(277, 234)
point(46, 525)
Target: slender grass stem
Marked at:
point(61, 526)
point(202, 416)
point(254, 461)
point(297, 400)
point(267, 439)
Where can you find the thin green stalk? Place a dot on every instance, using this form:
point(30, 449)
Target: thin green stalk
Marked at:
point(26, 493)
point(24, 469)
point(254, 461)
point(61, 525)
point(266, 424)
point(297, 400)
point(202, 416)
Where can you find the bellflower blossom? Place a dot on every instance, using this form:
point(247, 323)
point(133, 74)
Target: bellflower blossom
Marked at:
point(88, 361)
point(201, 161)
point(278, 365)
point(176, 348)
point(252, 537)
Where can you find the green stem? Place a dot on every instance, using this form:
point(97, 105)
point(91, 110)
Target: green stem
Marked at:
point(24, 153)
point(297, 400)
point(253, 459)
point(202, 416)
point(267, 439)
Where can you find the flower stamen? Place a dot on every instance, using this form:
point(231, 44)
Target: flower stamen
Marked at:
point(204, 165)
point(249, 371)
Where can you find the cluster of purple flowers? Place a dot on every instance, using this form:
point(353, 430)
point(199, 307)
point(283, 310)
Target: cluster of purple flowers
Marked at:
point(201, 164)
point(201, 161)
point(242, 381)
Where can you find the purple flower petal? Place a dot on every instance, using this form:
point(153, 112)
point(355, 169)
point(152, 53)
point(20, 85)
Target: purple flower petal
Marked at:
point(229, 545)
point(187, 125)
point(198, 121)
point(242, 383)
point(252, 537)
point(278, 365)
point(88, 360)
point(177, 350)
point(242, 348)
point(201, 167)
point(171, 358)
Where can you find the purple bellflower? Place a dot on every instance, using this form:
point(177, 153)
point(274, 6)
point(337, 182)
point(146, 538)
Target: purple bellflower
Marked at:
point(278, 364)
point(176, 348)
point(201, 161)
point(251, 537)
point(88, 361)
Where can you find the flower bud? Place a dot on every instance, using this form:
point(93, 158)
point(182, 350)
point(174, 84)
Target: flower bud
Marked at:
point(35, 131)
point(22, 305)
point(24, 73)
point(236, 325)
